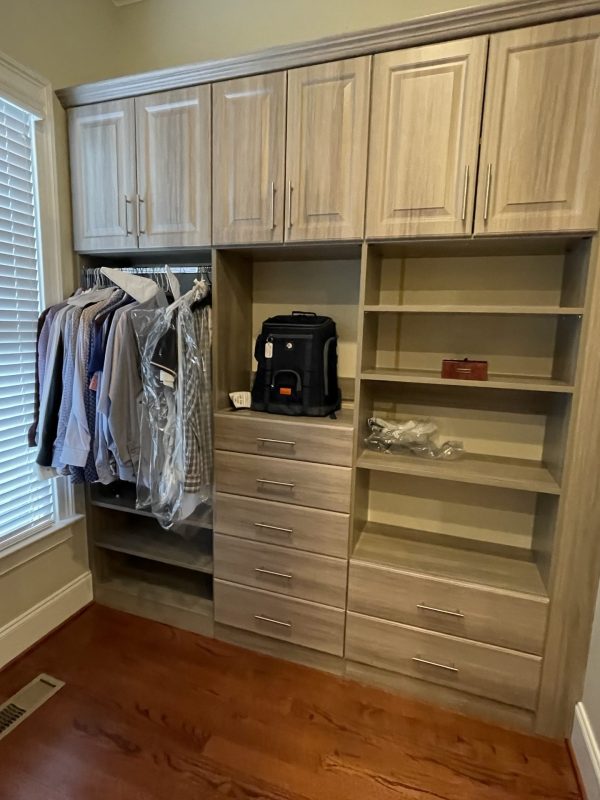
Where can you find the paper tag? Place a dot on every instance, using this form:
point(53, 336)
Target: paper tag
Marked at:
point(94, 382)
point(269, 350)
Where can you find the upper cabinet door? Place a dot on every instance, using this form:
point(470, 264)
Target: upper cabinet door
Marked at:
point(173, 158)
point(425, 124)
point(540, 154)
point(326, 157)
point(102, 145)
point(248, 159)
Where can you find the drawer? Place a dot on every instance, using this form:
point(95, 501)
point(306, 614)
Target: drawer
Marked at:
point(286, 618)
point(297, 482)
point(281, 569)
point(325, 441)
point(277, 523)
point(486, 615)
point(480, 669)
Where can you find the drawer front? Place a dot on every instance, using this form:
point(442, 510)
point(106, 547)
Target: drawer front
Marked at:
point(485, 670)
point(285, 618)
point(301, 441)
point(297, 482)
point(276, 523)
point(486, 615)
point(281, 569)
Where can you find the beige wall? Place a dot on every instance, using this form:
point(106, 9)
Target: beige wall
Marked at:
point(78, 41)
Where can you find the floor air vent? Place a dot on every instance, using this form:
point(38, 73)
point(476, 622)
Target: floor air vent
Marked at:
point(26, 701)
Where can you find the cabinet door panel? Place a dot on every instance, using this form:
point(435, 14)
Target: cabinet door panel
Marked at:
point(328, 109)
point(425, 122)
point(102, 146)
point(540, 156)
point(173, 145)
point(248, 159)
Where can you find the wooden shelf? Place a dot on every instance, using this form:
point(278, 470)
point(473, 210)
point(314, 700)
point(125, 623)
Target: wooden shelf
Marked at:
point(507, 473)
point(203, 521)
point(344, 417)
point(162, 546)
point(474, 309)
point(447, 557)
point(423, 376)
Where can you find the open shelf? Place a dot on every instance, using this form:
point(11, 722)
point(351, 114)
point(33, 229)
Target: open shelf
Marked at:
point(121, 496)
point(146, 580)
point(343, 417)
point(509, 473)
point(495, 381)
point(253, 284)
point(475, 309)
point(445, 557)
point(166, 547)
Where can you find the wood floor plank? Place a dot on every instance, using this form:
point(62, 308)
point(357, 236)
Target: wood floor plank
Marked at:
point(152, 712)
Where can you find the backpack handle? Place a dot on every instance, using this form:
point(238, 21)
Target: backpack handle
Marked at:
point(303, 314)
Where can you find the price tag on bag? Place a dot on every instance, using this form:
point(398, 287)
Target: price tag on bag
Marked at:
point(268, 349)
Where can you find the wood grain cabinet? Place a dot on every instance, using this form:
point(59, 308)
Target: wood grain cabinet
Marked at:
point(327, 128)
point(425, 123)
point(540, 155)
point(103, 177)
point(249, 159)
point(173, 168)
point(140, 172)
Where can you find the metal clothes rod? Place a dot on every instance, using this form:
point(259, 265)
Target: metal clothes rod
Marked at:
point(91, 276)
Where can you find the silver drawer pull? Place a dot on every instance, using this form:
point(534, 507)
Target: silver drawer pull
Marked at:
point(423, 607)
point(272, 621)
point(275, 483)
point(273, 527)
point(285, 575)
point(447, 667)
point(262, 440)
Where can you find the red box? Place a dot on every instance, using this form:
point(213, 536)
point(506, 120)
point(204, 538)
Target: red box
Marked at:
point(464, 369)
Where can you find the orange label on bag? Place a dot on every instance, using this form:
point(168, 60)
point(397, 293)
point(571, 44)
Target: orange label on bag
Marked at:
point(285, 390)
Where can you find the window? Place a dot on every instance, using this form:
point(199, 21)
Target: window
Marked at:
point(26, 503)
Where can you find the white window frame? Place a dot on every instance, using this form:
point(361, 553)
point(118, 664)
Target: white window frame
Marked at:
point(33, 93)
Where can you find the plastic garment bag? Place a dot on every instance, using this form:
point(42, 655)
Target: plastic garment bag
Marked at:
point(175, 469)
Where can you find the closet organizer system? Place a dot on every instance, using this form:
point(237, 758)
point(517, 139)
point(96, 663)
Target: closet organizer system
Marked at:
point(438, 200)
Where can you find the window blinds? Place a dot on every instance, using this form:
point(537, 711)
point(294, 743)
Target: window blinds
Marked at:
point(26, 503)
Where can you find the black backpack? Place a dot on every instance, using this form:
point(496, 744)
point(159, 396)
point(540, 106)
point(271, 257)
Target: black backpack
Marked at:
point(297, 366)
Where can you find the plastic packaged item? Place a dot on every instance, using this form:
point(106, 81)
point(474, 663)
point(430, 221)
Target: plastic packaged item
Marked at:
point(175, 465)
point(410, 437)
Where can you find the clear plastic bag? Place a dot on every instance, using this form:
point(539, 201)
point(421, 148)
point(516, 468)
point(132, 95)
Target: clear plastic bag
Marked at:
point(410, 437)
point(173, 475)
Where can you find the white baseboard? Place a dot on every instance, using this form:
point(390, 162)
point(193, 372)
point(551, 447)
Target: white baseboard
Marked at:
point(587, 753)
point(28, 628)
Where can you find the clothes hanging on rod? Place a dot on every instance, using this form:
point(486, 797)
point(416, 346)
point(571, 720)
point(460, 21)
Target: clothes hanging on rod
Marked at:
point(92, 420)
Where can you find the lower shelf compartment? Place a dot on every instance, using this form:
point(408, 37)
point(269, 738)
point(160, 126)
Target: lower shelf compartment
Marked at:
point(502, 567)
point(146, 540)
point(145, 580)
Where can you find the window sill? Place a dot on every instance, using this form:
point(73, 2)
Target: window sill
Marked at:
point(37, 544)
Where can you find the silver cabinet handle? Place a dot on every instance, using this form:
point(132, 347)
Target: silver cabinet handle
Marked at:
point(290, 190)
point(262, 440)
point(423, 607)
point(275, 483)
point(488, 183)
point(273, 528)
point(263, 571)
point(272, 205)
point(140, 202)
point(447, 667)
point(272, 621)
point(465, 194)
point(128, 202)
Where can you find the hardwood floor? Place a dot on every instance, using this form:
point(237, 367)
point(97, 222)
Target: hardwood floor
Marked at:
point(149, 712)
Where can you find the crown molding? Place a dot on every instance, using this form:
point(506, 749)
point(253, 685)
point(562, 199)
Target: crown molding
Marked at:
point(424, 30)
